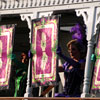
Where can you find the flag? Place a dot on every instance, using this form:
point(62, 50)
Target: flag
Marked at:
point(95, 88)
point(6, 33)
point(44, 43)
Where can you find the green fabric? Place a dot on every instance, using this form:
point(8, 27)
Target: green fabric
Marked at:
point(21, 78)
point(20, 85)
point(17, 85)
point(93, 57)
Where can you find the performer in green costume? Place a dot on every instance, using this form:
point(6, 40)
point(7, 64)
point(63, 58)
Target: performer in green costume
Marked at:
point(21, 75)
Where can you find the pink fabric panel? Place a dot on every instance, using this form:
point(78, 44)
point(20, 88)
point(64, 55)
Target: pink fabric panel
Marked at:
point(44, 60)
point(3, 39)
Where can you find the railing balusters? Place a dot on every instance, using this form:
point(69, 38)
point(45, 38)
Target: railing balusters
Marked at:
point(29, 3)
point(53, 92)
point(24, 3)
point(47, 3)
point(20, 3)
point(43, 2)
point(75, 1)
point(38, 3)
point(16, 3)
point(66, 1)
point(80, 1)
point(40, 90)
point(47, 95)
point(51, 2)
point(71, 1)
point(12, 3)
point(3, 4)
point(0, 4)
point(61, 2)
point(56, 2)
point(33, 3)
point(9, 4)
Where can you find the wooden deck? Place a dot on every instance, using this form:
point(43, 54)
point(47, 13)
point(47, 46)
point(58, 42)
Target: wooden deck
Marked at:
point(44, 98)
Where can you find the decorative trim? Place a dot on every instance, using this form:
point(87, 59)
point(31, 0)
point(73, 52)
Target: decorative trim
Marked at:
point(91, 20)
point(28, 18)
point(11, 4)
point(84, 13)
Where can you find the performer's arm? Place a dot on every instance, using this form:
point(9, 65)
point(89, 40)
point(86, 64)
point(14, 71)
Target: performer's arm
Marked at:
point(69, 60)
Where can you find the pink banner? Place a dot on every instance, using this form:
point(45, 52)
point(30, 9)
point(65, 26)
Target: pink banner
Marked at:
point(5, 50)
point(43, 43)
point(96, 75)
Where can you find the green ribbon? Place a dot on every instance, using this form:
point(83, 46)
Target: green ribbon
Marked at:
point(21, 75)
point(17, 84)
point(19, 89)
point(93, 57)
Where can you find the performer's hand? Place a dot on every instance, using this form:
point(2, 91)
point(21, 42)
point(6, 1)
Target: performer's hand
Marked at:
point(70, 67)
point(30, 55)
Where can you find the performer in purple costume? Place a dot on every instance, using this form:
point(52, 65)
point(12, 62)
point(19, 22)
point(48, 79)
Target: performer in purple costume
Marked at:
point(74, 66)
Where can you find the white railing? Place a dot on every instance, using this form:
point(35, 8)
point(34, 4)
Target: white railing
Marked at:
point(11, 4)
point(50, 90)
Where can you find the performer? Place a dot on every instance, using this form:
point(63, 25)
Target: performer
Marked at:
point(74, 66)
point(73, 69)
point(21, 75)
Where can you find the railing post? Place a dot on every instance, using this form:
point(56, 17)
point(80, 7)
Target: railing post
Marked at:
point(88, 71)
point(28, 18)
point(89, 16)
